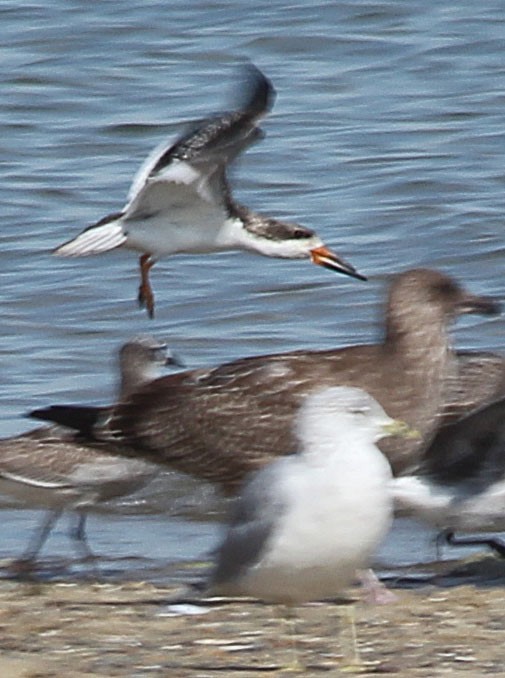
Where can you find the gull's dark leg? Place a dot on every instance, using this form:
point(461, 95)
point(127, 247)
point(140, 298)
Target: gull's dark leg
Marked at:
point(146, 296)
point(26, 562)
point(442, 538)
point(78, 535)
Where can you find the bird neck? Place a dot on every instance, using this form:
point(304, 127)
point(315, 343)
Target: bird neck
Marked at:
point(248, 230)
point(326, 445)
point(418, 335)
point(134, 376)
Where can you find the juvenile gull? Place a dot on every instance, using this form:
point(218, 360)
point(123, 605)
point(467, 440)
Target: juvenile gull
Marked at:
point(460, 484)
point(54, 468)
point(303, 524)
point(180, 201)
point(222, 423)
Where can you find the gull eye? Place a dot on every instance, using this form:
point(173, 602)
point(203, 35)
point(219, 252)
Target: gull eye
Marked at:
point(363, 411)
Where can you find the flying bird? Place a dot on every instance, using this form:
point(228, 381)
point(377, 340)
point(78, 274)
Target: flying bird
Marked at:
point(180, 202)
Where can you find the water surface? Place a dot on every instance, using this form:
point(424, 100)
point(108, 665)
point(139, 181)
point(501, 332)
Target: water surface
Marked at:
point(387, 137)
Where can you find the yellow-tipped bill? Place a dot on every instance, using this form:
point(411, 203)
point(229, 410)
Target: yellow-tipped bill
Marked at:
point(401, 429)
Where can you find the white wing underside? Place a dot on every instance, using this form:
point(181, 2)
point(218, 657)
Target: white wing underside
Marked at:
point(178, 186)
point(178, 209)
point(94, 240)
point(145, 170)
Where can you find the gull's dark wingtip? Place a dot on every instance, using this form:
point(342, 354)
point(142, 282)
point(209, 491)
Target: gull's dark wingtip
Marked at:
point(79, 418)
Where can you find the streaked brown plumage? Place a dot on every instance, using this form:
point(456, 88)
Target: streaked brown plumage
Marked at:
point(53, 468)
point(480, 380)
point(219, 424)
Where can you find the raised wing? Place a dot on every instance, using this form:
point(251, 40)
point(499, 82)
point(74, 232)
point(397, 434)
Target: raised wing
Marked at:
point(198, 159)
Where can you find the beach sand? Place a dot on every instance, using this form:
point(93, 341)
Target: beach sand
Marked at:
point(128, 628)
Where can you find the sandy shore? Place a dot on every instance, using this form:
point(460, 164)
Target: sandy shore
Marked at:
point(79, 628)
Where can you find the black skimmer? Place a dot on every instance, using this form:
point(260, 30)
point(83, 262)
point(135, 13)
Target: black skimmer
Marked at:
point(181, 202)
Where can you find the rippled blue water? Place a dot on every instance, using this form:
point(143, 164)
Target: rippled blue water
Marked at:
point(387, 137)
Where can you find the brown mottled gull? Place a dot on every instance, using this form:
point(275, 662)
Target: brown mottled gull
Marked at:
point(56, 469)
point(222, 423)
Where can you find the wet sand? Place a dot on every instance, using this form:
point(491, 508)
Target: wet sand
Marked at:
point(128, 628)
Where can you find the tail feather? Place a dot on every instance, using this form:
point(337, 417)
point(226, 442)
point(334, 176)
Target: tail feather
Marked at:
point(106, 235)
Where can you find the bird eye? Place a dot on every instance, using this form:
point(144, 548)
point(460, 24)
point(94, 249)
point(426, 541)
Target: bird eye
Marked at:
point(446, 288)
point(363, 411)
